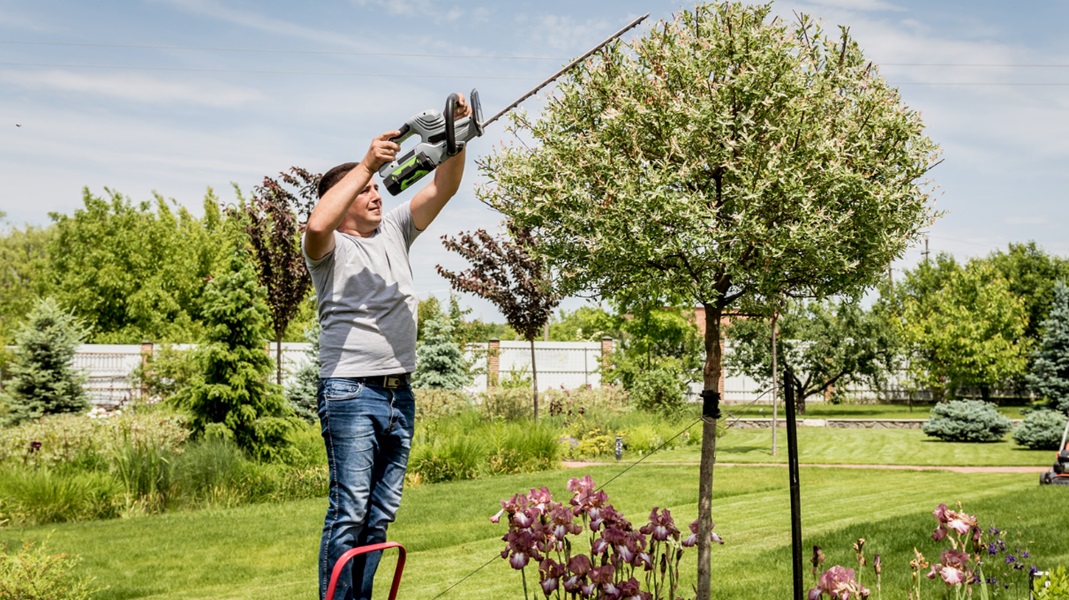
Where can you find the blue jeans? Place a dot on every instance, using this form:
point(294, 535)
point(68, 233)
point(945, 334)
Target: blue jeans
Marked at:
point(368, 433)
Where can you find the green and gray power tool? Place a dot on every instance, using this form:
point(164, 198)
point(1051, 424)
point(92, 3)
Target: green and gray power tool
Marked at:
point(442, 135)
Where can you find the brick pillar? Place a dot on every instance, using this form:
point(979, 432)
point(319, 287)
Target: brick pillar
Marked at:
point(146, 356)
point(606, 350)
point(493, 362)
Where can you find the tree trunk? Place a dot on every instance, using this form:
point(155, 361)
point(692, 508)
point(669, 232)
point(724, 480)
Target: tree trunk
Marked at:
point(278, 358)
point(711, 376)
point(534, 379)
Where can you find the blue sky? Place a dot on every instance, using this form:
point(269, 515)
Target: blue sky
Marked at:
point(178, 96)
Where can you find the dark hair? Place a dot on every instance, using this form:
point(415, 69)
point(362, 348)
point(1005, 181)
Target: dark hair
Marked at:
point(333, 176)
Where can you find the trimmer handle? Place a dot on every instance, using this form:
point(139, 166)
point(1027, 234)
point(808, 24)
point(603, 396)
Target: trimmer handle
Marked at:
point(441, 136)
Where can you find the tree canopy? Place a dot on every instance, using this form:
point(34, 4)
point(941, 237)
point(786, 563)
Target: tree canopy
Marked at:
point(821, 345)
point(963, 326)
point(135, 272)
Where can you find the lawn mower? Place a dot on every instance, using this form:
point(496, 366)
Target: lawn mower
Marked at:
point(1059, 473)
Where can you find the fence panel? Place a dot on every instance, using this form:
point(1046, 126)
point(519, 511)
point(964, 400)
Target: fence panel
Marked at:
point(109, 371)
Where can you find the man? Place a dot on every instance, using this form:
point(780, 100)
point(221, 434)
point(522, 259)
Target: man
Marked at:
point(358, 258)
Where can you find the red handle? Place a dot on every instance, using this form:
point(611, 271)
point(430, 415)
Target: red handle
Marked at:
point(350, 554)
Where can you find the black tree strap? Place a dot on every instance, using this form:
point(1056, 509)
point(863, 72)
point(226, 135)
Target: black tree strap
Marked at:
point(711, 404)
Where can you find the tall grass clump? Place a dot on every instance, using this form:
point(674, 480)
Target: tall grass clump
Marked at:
point(519, 447)
point(42, 496)
point(211, 471)
point(146, 472)
point(449, 449)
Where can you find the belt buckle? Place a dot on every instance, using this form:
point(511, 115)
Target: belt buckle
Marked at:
point(392, 381)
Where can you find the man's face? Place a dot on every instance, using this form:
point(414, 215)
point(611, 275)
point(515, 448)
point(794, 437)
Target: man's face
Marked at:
point(366, 210)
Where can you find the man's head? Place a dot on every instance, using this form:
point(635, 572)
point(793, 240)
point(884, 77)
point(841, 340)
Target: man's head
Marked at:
point(365, 213)
point(333, 176)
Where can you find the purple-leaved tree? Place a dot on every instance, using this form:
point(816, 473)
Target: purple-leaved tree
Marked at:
point(506, 272)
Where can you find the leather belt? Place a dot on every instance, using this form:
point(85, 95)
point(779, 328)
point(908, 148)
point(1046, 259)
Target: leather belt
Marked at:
point(398, 380)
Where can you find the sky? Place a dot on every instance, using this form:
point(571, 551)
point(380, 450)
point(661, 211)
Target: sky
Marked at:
point(176, 97)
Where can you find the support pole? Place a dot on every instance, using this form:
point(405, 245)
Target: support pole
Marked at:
point(796, 499)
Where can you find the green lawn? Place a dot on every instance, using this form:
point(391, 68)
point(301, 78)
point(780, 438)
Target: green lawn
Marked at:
point(822, 445)
point(822, 410)
point(267, 552)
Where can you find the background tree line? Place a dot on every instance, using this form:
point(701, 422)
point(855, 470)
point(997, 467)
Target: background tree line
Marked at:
point(133, 271)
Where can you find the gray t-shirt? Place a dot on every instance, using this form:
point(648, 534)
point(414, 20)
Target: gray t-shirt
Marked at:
point(367, 302)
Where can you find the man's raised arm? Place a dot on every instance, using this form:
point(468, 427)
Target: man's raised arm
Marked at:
point(430, 200)
point(334, 204)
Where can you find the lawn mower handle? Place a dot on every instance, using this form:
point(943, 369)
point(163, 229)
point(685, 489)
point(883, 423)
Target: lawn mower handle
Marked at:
point(350, 554)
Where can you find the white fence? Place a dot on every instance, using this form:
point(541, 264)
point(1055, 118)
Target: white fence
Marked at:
point(110, 369)
point(559, 364)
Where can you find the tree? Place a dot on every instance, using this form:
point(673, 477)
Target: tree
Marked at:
point(963, 326)
point(465, 332)
point(725, 158)
point(24, 276)
point(658, 355)
point(43, 380)
point(439, 361)
point(135, 272)
point(820, 345)
point(271, 222)
point(230, 396)
point(1049, 377)
point(584, 324)
point(507, 273)
point(304, 388)
point(1031, 274)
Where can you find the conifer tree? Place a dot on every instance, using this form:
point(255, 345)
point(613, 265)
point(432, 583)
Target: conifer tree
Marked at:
point(301, 393)
point(1049, 377)
point(230, 395)
point(43, 380)
point(439, 360)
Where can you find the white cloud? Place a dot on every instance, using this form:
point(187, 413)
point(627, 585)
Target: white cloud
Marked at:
point(261, 21)
point(134, 88)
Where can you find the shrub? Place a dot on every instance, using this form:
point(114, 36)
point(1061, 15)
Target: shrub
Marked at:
point(659, 390)
point(306, 447)
point(1049, 376)
point(230, 394)
point(439, 362)
point(70, 442)
point(509, 404)
point(607, 400)
point(301, 393)
point(1053, 586)
point(168, 370)
point(432, 405)
point(34, 573)
point(967, 421)
point(1041, 430)
point(207, 466)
